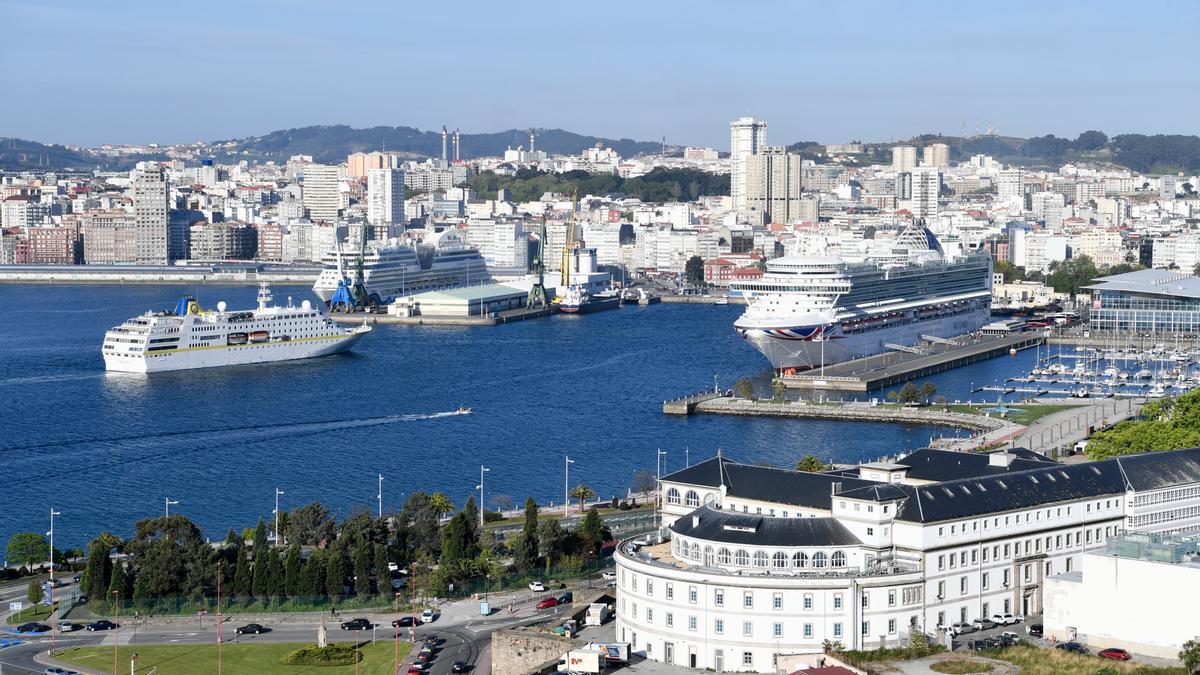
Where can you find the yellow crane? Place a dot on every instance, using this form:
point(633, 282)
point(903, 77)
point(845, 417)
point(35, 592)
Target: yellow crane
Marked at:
point(569, 244)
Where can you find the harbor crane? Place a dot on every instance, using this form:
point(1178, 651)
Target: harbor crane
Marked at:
point(352, 294)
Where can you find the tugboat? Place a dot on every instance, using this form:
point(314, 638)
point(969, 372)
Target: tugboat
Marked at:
point(578, 301)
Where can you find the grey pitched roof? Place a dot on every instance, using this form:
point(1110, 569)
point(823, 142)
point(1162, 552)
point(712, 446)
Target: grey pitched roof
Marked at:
point(752, 530)
point(768, 483)
point(1150, 281)
point(940, 465)
point(1154, 470)
point(876, 492)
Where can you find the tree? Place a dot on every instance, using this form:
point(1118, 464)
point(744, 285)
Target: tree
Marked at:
point(1010, 271)
point(554, 540)
point(592, 533)
point(1069, 276)
point(1189, 653)
point(693, 270)
point(525, 558)
point(28, 548)
point(362, 570)
point(260, 540)
point(457, 542)
point(928, 391)
point(98, 573)
point(116, 584)
point(743, 388)
point(242, 580)
point(778, 389)
point(276, 580)
point(335, 575)
point(892, 396)
point(35, 591)
point(1090, 140)
point(292, 571)
point(312, 576)
point(260, 582)
point(909, 393)
point(440, 504)
point(1166, 424)
point(811, 464)
point(582, 493)
point(309, 524)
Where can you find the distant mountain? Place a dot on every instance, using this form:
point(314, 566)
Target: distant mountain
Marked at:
point(21, 155)
point(332, 143)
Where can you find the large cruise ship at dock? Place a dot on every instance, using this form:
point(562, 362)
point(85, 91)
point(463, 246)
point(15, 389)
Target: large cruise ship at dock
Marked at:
point(394, 268)
point(190, 337)
point(809, 311)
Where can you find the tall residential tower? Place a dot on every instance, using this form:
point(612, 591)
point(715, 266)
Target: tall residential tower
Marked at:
point(747, 136)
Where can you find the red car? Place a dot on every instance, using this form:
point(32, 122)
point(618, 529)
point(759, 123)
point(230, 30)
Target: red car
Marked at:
point(1115, 654)
point(546, 602)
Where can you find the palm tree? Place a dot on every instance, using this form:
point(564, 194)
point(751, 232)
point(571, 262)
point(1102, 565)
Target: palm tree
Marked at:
point(582, 493)
point(440, 504)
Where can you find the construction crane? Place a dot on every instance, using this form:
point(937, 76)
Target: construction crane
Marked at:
point(537, 292)
point(569, 244)
point(352, 294)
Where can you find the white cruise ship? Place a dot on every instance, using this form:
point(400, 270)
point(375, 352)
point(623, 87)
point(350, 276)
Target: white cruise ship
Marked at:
point(394, 268)
point(809, 311)
point(191, 337)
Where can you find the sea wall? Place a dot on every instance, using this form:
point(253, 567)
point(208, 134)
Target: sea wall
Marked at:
point(859, 412)
point(525, 650)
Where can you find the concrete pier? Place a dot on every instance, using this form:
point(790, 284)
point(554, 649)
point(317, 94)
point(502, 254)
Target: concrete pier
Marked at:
point(703, 300)
point(882, 370)
point(685, 405)
point(494, 319)
point(858, 412)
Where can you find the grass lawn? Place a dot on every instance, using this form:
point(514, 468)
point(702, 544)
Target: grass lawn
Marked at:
point(259, 657)
point(1045, 661)
point(1030, 412)
point(960, 666)
point(35, 613)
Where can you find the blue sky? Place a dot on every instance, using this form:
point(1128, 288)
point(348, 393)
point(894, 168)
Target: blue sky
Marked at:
point(93, 72)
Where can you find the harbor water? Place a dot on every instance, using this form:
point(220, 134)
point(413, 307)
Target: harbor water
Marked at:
point(107, 449)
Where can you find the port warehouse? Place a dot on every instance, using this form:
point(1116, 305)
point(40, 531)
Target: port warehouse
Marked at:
point(459, 302)
point(757, 561)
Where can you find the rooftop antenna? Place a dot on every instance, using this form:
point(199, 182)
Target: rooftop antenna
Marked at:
point(664, 147)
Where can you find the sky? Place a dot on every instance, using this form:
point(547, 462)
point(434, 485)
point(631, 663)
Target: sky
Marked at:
point(89, 72)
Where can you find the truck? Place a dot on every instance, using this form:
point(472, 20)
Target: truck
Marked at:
point(613, 651)
point(597, 614)
point(582, 661)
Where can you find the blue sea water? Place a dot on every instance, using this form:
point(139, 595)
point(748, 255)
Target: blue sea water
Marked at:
point(107, 449)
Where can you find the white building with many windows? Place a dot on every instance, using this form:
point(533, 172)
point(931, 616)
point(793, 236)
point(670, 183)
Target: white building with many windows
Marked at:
point(757, 562)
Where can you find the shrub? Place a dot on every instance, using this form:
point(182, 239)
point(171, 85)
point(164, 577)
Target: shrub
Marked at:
point(491, 516)
point(624, 506)
point(338, 654)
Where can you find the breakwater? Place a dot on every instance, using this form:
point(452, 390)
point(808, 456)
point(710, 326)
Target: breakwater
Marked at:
point(857, 412)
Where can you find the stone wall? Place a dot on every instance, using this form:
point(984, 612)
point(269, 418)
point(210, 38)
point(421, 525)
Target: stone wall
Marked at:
point(518, 651)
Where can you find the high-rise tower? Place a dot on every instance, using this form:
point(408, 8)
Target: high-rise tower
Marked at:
point(747, 136)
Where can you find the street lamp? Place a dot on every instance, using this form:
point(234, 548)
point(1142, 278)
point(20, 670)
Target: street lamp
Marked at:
point(277, 493)
point(566, 484)
point(482, 470)
point(167, 504)
point(133, 663)
point(379, 496)
point(51, 533)
point(658, 487)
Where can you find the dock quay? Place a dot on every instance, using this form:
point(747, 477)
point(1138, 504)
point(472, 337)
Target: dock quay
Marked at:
point(703, 299)
point(882, 370)
point(724, 404)
point(492, 319)
point(686, 405)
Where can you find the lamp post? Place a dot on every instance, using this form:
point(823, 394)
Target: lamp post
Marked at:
point(219, 617)
point(277, 493)
point(658, 488)
point(133, 663)
point(379, 496)
point(567, 484)
point(51, 533)
point(482, 469)
point(167, 504)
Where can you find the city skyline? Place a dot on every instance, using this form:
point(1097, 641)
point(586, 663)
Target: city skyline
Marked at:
point(822, 74)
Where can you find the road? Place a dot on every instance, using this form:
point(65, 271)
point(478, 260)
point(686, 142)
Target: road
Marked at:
point(466, 634)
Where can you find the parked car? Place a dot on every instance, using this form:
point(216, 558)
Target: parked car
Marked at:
point(427, 616)
point(1005, 619)
point(1115, 653)
point(55, 670)
point(68, 627)
point(404, 622)
point(548, 602)
point(566, 598)
point(255, 628)
point(537, 586)
point(103, 624)
point(983, 624)
point(1072, 647)
point(422, 660)
point(1034, 630)
point(961, 628)
point(1010, 638)
point(459, 667)
point(608, 576)
point(33, 627)
point(414, 669)
point(76, 578)
point(57, 582)
point(357, 624)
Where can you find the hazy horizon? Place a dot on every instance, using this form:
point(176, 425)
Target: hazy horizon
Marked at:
point(150, 73)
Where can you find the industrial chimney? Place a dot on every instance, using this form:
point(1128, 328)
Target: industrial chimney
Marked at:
point(531, 141)
point(456, 145)
point(443, 143)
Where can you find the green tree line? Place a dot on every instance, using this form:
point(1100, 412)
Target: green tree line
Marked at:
point(1165, 424)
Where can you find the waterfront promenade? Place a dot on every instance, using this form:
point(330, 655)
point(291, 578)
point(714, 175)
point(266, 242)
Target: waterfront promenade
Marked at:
point(853, 411)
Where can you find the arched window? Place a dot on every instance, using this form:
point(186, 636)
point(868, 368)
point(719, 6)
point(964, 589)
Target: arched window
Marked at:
point(741, 558)
point(691, 498)
point(708, 559)
point(709, 498)
point(800, 560)
point(838, 560)
point(672, 496)
point(760, 559)
point(779, 560)
point(723, 556)
point(695, 551)
point(818, 559)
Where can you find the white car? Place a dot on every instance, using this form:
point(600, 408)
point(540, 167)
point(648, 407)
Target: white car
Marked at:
point(393, 567)
point(427, 616)
point(537, 586)
point(961, 628)
point(1004, 619)
point(67, 627)
point(609, 576)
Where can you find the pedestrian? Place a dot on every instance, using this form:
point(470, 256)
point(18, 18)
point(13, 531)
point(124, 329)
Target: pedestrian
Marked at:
point(332, 610)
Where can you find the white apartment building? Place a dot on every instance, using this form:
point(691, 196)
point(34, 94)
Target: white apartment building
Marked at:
point(1010, 184)
point(1044, 201)
point(772, 184)
point(904, 158)
point(322, 200)
point(926, 186)
point(150, 206)
point(747, 136)
point(502, 243)
point(759, 561)
point(1104, 246)
point(1178, 251)
point(385, 198)
point(936, 155)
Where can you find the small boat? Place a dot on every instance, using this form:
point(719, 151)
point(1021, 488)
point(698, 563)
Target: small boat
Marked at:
point(723, 300)
point(463, 410)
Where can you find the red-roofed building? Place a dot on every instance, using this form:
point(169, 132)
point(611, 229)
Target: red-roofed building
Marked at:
point(718, 272)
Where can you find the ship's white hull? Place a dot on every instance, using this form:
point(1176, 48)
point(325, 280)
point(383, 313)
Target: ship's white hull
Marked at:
point(802, 354)
point(392, 284)
point(216, 356)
